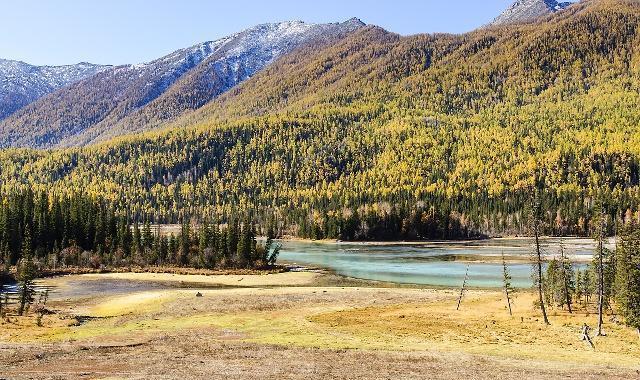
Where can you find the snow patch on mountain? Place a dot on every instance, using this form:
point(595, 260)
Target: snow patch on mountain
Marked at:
point(133, 98)
point(246, 53)
point(251, 49)
point(524, 11)
point(22, 83)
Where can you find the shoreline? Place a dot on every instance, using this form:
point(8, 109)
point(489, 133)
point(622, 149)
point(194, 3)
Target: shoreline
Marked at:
point(294, 239)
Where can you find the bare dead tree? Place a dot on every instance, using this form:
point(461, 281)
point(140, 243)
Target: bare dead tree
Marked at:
point(536, 216)
point(41, 307)
point(585, 335)
point(463, 288)
point(600, 236)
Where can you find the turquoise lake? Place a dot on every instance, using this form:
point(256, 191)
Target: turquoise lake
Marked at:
point(433, 263)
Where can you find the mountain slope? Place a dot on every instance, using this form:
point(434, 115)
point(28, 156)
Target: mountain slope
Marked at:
point(137, 97)
point(240, 58)
point(21, 83)
point(523, 11)
point(461, 128)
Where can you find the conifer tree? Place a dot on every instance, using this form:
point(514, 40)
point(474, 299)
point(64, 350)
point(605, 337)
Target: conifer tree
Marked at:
point(567, 276)
point(185, 243)
point(551, 282)
point(147, 235)
point(137, 239)
point(509, 291)
point(26, 275)
point(579, 294)
point(2, 310)
point(204, 236)
point(232, 239)
point(599, 263)
point(628, 275)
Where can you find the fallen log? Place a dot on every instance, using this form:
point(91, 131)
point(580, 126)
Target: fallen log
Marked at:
point(586, 337)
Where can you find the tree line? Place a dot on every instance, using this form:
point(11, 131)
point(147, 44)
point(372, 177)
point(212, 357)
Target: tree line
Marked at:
point(89, 232)
point(611, 283)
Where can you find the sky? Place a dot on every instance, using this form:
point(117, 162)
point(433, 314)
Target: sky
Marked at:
point(57, 32)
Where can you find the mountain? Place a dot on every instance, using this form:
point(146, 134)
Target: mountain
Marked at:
point(525, 11)
point(463, 124)
point(21, 83)
point(454, 130)
point(139, 97)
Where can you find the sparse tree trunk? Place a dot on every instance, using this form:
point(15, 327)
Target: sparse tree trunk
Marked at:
point(462, 289)
point(536, 220)
point(506, 278)
point(25, 298)
point(536, 230)
point(506, 291)
point(565, 277)
point(601, 233)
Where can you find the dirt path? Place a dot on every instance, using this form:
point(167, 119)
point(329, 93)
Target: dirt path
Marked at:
point(194, 356)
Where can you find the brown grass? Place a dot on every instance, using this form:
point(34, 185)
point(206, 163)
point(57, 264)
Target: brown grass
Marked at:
point(484, 326)
point(306, 332)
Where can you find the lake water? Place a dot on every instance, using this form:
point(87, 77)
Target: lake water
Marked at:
point(433, 263)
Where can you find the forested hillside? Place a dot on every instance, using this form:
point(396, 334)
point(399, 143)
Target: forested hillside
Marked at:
point(382, 136)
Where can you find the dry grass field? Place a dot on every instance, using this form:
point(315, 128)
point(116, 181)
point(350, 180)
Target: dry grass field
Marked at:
point(299, 326)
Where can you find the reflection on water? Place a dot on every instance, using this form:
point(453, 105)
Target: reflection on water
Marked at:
point(10, 293)
point(432, 263)
point(81, 288)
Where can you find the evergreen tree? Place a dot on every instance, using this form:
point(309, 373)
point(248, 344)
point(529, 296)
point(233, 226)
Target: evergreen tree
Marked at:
point(579, 290)
point(137, 239)
point(147, 235)
point(551, 284)
point(509, 291)
point(113, 239)
point(599, 264)
point(628, 275)
point(232, 240)
point(185, 243)
point(204, 244)
point(567, 278)
point(26, 274)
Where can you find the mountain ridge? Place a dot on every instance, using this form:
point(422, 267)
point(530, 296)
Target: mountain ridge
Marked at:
point(219, 73)
point(526, 11)
point(92, 108)
point(22, 83)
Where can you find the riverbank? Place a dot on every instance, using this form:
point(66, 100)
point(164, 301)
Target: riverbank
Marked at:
point(568, 239)
point(287, 324)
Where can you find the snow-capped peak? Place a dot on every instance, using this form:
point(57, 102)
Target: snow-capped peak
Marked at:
point(22, 83)
point(524, 11)
point(162, 89)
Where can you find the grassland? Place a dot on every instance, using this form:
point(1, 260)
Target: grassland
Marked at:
point(299, 325)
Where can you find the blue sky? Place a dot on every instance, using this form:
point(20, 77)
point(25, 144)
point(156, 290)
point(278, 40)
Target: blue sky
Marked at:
point(134, 31)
